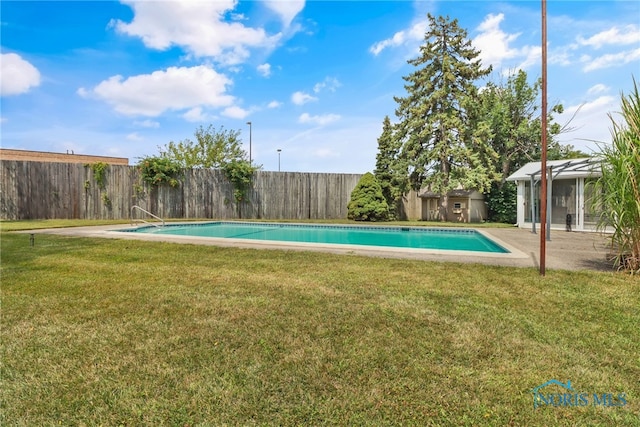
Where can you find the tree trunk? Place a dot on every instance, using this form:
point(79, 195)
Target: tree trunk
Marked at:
point(444, 206)
point(444, 197)
point(506, 166)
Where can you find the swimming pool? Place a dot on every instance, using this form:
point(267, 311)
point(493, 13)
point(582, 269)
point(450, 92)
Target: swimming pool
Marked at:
point(455, 239)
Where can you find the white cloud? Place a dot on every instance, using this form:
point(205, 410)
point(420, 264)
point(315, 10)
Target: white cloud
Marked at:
point(413, 34)
point(198, 27)
point(135, 136)
point(329, 83)
point(493, 43)
point(286, 9)
point(532, 55)
point(235, 112)
point(611, 60)
point(174, 89)
point(587, 107)
point(300, 98)
point(18, 75)
point(585, 58)
point(599, 88)
point(195, 115)
point(318, 120)
point(630, 34)
point(562, 55)
point(274, 104)
point(264, 70)
point(147, 124)
point(589, 122)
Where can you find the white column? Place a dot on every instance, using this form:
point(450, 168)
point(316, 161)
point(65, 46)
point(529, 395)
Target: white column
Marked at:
point(580, 204)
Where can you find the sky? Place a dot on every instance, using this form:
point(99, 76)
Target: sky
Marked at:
point(314, 78)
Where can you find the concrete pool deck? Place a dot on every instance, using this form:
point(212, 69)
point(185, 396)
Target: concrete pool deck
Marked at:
point(565, 250)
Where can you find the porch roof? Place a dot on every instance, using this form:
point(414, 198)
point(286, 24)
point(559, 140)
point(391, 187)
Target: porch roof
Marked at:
point(570, 168)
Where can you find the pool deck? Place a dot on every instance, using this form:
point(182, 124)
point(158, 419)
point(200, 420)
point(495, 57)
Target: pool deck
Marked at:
point(565, 250)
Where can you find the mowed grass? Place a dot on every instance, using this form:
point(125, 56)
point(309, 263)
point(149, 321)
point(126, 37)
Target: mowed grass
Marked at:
point(115, 332)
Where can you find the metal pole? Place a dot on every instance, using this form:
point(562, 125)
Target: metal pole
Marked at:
point(249, 123)
point(279, 150)
point(549, 191)
point(543, 168)
point(533, 204)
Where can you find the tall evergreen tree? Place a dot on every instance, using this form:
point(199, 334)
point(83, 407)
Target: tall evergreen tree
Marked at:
point(385, 158)
point(443, 141)
point(389, 172)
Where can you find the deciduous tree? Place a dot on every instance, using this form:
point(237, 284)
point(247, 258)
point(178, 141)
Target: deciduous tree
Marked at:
point(512, 112)
point(211, 149)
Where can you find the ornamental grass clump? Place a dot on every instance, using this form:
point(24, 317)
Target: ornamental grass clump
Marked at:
point(617, 192)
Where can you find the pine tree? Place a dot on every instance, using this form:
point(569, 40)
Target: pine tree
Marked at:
point(389, 172)
point(444, 140)
point(367, 202)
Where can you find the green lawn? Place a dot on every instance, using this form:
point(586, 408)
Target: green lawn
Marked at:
point(115, 332)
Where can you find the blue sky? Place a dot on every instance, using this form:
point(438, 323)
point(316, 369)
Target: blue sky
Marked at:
point(315, 78)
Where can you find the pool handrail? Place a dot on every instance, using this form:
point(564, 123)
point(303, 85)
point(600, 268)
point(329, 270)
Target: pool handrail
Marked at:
point(134, 207)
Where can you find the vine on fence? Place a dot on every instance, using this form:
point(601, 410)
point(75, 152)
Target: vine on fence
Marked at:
point(240, 173)
point(157, 170)
point(100, 173)
point(100, 176)
point(106, 200)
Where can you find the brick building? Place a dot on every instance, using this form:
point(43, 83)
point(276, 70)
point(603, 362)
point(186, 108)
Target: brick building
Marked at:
point(45, 156)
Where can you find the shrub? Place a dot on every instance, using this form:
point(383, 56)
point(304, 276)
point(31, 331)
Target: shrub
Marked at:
point(502, 202)
point(367, 201)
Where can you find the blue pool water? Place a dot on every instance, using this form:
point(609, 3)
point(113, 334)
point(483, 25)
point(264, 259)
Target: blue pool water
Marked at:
point(400, 237)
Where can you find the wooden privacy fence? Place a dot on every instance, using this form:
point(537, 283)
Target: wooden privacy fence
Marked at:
point(39, 190)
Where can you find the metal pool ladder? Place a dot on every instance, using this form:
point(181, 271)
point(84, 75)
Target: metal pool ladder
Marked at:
point(134, 207)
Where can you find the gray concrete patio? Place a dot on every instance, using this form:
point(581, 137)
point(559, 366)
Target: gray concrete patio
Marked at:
point(565, 250)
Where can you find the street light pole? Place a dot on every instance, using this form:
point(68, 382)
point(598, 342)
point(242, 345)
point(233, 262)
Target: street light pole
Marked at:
point(249, 123)
point(279, 151)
